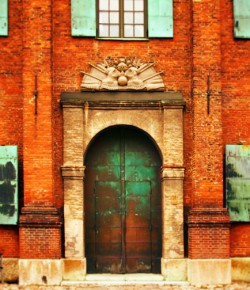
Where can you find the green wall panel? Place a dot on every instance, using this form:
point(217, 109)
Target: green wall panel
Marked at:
point(83, 18)
point(3, 17)
point(8, 185)
point(238, 182)
point(160, 18)
point(241, 18)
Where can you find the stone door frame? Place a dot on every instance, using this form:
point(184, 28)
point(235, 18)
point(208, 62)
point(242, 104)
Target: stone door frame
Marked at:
point(160, 116)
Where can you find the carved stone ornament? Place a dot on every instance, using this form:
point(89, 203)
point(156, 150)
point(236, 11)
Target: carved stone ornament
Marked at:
point(122, 74)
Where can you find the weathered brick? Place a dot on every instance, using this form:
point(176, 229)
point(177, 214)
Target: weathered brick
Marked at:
point(39, 43)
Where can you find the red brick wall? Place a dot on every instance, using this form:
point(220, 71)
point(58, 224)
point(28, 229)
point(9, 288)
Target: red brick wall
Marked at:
point(240, 240)
point(203, 43)
point(235, 105)
point(37, 131)
point(9, 241)
point(207, 129)
point(40, 233)
point(11, 106)
point(40, 243)
point(209, 234)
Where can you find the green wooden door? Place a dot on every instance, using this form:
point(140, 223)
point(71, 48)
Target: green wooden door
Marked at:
point(122, 203)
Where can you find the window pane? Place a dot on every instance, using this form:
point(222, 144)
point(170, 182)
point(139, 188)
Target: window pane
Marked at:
point(132, 15)
point(139, 31)
point(114, 31)
point(103, 4)
point(104, 17)
point(139, 5)
point(114, 5)
point(128, 5)
point(139, 17)
point(128, 31)
point(114, 17)
point(128, 17)
point(103, 30)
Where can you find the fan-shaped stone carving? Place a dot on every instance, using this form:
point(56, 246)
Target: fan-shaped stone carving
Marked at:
point(122, 74)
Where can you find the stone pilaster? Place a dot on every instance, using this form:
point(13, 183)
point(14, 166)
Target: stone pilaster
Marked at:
point(73, 211)
point(74, 266)
point(173, 135)
point(172, 190)
point(173, 231)
point(73, 135)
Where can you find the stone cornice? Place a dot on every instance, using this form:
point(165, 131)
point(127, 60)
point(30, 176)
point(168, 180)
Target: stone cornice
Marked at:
point(82, 97)
point(172, 172)
point(72, 171)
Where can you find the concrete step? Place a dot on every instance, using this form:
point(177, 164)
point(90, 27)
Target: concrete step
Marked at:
point(126, 279)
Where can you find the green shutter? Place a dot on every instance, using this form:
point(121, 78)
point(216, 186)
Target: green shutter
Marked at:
point(241, 18)
point(8, 185)
point(160, 18)
point(83, 18)
point(238, 182)
point(3, 17)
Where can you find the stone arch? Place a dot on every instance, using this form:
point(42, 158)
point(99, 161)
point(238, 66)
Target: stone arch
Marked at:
point(137, 127)
point(160, 116)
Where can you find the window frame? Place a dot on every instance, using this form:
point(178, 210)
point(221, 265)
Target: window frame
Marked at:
point(159, 20)
point(121, 22)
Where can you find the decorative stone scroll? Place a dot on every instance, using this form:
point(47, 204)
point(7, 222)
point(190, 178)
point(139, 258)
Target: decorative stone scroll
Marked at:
point(122, 74)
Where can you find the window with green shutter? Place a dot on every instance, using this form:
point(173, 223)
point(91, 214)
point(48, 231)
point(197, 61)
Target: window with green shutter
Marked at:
point(3, 17)
point(124, 19)
point(241, 18)
point(8, 185)
point(238, 182)
point(160, 18)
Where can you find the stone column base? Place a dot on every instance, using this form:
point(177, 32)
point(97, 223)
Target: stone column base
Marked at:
point(241, 269)
point(174, 269)
point(74, 269)
point(209, 271)
point(10, 270)
point(40, 272)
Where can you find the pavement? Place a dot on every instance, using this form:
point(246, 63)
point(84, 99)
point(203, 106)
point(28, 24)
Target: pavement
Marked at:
point(127, 285)
point(126, 282)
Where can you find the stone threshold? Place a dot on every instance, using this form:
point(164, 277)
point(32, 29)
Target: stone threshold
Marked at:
point(125, 279)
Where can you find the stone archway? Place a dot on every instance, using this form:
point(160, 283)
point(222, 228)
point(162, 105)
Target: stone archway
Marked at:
point(160, 115)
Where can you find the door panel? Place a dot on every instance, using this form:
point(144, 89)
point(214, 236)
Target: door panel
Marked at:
point(138, 195)
point(108, 223)
point(122, 203)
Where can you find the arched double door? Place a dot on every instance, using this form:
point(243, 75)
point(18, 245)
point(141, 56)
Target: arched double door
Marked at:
point(123, 216)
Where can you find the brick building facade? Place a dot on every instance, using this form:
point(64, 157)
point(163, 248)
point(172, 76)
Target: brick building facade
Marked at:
point(203, 108)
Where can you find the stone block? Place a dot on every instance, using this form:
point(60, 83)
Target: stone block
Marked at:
point(209, 271)
point(74, 244)
point(74, 269)
point(10, 270)
point(241, 269)
point(40, 272)
point(174, 269)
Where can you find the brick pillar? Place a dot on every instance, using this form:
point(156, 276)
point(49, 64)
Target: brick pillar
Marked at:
point(208, 151)
point(208, 222)
point(209, 234)
point(40, 225)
